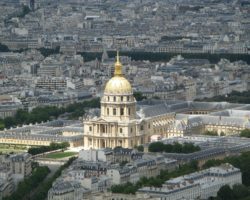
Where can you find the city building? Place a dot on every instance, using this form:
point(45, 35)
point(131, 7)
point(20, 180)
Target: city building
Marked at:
point(9, 106)
point(202, 184)
point(119, 124)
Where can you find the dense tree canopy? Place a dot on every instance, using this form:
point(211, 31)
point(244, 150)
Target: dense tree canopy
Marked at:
point(237, 192)
point(26, 186)
point(245, 133)
point(4, 48)
point(233, 97)
point(53, 146)
point(46, 113)
point(211, 133)
point(138, 96)
point(173, 148)
point(161, 56)
point(47, 52)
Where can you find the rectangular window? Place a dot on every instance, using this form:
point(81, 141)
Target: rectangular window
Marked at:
point(122, 111)
point(121, 98)
point(114, 111)
point(90, 128)
point(120, 130)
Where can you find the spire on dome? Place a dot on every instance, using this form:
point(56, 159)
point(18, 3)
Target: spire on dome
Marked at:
point(118, 66)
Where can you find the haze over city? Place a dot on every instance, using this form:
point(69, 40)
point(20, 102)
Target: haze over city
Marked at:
point(124, 99)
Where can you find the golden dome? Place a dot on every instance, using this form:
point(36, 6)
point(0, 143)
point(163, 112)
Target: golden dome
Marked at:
point(118, 84)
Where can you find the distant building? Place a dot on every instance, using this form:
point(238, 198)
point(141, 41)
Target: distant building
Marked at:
point(9, 105)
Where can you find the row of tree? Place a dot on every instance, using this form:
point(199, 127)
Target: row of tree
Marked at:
point(53, 146)
point(233, 97)
point(43, 188)
point(47, 52)
point(165, 57)
point(26, 186)
point(46, 113)
point(173, 148)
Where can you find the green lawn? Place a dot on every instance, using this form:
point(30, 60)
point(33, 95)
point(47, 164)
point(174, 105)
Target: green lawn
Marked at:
point(11, 150)
point(59, 155)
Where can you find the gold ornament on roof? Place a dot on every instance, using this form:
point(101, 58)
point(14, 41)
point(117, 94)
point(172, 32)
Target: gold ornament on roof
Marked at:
point(118, 84)
point(118, 66)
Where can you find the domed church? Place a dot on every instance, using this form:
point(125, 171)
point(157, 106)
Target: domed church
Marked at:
point(119, 123)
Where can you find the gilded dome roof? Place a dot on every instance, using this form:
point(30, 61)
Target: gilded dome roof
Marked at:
point(118, 85)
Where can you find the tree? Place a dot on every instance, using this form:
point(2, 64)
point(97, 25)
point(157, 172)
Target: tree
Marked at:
point(140, 148)
point(156, 147)
point(211, 133)
point(240, 191)
point(245, 133)
point(173, 148)
point(138, 96)
point(4, 48)
point(177, 147)
point(168, 148)
point(225, 193)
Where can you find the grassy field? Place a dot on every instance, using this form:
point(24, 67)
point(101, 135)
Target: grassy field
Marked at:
point(11, 150)
point(59, 155)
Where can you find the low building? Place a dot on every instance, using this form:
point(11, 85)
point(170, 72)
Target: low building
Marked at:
point(9, 106)
point(6, 182)
point(20, 166)
point(65, 190)
point(102, 155)
point(203, 184)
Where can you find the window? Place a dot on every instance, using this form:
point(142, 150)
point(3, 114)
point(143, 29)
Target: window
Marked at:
point(114, 111)
point(142, 127)
point(121, 98)
point(120, 130)
point(122, 111)
point(108, 98)
point(107, 111)
point(90, 128)
point(114, 98)
point(129, 111)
